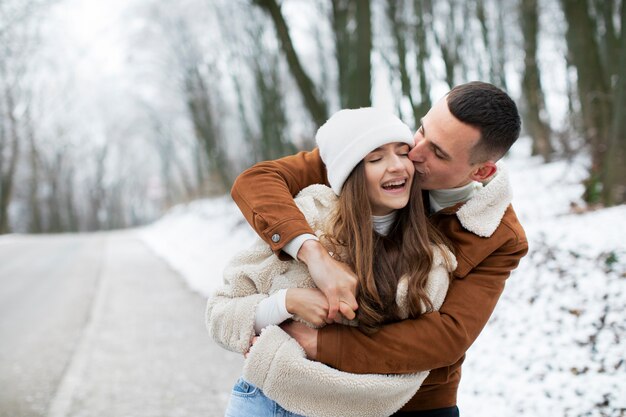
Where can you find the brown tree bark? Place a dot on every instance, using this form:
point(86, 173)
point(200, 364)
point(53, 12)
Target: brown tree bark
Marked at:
point(314, 104)
point(353, 48)
point(361, 96)
point(11, 140)
point(593, 89)
point(36, 222)
point(422, 13)
point(399, 32)
point(536, 127)
point(614, 167)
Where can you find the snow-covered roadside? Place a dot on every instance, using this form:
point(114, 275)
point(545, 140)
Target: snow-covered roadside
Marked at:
point(555, 344)
point(198, 239)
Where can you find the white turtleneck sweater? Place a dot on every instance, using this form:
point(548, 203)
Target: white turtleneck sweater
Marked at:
point(273, 309)
point(440, 199)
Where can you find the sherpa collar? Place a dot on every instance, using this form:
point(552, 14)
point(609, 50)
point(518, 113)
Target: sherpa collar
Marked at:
point(482, 214)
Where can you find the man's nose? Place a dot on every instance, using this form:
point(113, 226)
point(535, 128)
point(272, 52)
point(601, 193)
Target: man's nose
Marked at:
point(417, 154)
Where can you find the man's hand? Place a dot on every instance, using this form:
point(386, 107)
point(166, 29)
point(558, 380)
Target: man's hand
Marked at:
point(335, 279)
point(310, 304)
point(304, 335)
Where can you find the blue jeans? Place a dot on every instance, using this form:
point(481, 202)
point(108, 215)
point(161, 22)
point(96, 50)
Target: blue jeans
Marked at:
point(247, 400)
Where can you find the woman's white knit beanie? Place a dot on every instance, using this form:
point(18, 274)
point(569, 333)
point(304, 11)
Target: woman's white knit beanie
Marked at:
point(350, 134)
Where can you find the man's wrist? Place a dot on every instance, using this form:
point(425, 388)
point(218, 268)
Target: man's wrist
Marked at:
point(310, 250)
point(293, 246)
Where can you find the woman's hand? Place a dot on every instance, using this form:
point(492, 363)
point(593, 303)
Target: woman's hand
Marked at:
point(310, 304)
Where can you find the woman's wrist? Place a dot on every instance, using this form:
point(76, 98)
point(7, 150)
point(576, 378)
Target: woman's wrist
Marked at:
point(291, 300)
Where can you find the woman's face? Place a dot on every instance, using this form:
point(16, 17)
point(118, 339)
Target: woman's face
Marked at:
point(388, 175)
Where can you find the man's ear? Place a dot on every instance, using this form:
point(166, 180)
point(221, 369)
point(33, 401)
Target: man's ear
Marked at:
point(484, 171)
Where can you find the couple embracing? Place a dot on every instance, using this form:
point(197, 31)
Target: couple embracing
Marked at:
point(368, 288)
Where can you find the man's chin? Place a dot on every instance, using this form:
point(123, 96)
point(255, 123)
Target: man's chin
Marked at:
point(422, 181)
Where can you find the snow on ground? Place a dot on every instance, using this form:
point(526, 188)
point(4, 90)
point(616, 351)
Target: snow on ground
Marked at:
point(555, 344)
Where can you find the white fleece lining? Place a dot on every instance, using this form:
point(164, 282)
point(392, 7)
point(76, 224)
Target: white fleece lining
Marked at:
point(483, 213)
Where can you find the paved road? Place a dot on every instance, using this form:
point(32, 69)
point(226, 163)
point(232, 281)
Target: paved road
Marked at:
point(96, 325)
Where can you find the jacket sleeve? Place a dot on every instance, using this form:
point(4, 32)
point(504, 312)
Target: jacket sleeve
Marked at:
point(264, 194)
point(277, 365)
point(433, 340)
point(231, 310)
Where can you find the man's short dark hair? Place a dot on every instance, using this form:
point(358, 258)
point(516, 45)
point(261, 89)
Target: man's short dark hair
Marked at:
point(490, 110)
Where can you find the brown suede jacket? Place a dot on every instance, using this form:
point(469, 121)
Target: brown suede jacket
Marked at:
point(488, 242)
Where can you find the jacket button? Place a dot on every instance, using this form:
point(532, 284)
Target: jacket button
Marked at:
point(276, 238)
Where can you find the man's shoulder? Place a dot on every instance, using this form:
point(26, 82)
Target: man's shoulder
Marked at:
point(511, 228)
point(508, 230)
point(508, 239)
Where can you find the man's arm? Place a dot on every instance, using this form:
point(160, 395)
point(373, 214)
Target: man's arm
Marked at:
point(264, 194)
point(433, 340)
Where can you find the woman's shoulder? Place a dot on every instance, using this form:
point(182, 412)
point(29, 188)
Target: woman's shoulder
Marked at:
point(320, 192)
point(443, 256)
point(316, 202)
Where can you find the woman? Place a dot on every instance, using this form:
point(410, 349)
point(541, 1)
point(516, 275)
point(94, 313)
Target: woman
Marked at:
point(366, 220)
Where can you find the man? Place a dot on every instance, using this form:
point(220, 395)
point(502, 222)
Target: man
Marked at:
point(456, 149)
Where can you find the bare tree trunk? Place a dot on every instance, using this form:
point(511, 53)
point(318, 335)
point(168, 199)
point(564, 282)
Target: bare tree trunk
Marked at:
point(314, 104)
point(614, 167)
point(537, 128)
point(422, 13)
point(341, 15)
point(398, 28)
point(36, 224)
point(7, 175)
point(271, 113)
point(500, 49)
point(353, 50)
point(55, 204)
point(201, 111)
point(97, 191)
point(606, 12)
point(361, 96)
point(595, 99)
point(481, 15)
point(450, 44)
point(73, 223)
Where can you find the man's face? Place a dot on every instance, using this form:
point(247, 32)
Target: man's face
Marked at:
point(442, 149)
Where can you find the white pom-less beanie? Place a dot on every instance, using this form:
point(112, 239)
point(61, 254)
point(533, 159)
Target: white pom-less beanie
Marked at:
point(350, 134)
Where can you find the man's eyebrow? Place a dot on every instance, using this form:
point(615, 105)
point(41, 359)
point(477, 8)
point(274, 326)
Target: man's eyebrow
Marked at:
point(445, 154)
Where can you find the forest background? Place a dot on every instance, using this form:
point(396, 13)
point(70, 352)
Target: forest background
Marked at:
point(113, 112)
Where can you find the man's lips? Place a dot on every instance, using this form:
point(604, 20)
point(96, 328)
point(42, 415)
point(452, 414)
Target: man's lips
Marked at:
point(420, 168)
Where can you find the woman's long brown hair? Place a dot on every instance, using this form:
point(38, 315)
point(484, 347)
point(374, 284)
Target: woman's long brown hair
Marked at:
point(380, 261)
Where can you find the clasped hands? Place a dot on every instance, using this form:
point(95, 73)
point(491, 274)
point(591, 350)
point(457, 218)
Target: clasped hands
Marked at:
point(333, 299)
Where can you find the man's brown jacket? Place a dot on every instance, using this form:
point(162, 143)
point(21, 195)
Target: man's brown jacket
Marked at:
point(488, 242)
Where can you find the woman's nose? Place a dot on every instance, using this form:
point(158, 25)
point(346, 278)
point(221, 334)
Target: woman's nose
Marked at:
point(396, 164)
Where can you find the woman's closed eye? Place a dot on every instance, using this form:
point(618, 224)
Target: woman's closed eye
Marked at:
point(403, 151)
point(375, 158)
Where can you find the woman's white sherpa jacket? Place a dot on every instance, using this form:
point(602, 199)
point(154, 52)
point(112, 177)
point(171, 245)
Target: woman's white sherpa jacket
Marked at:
point(276, 363)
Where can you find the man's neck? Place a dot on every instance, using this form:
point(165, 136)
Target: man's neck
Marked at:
point(443, 198)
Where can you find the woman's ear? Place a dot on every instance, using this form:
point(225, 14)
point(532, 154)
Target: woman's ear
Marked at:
point(484, 171)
